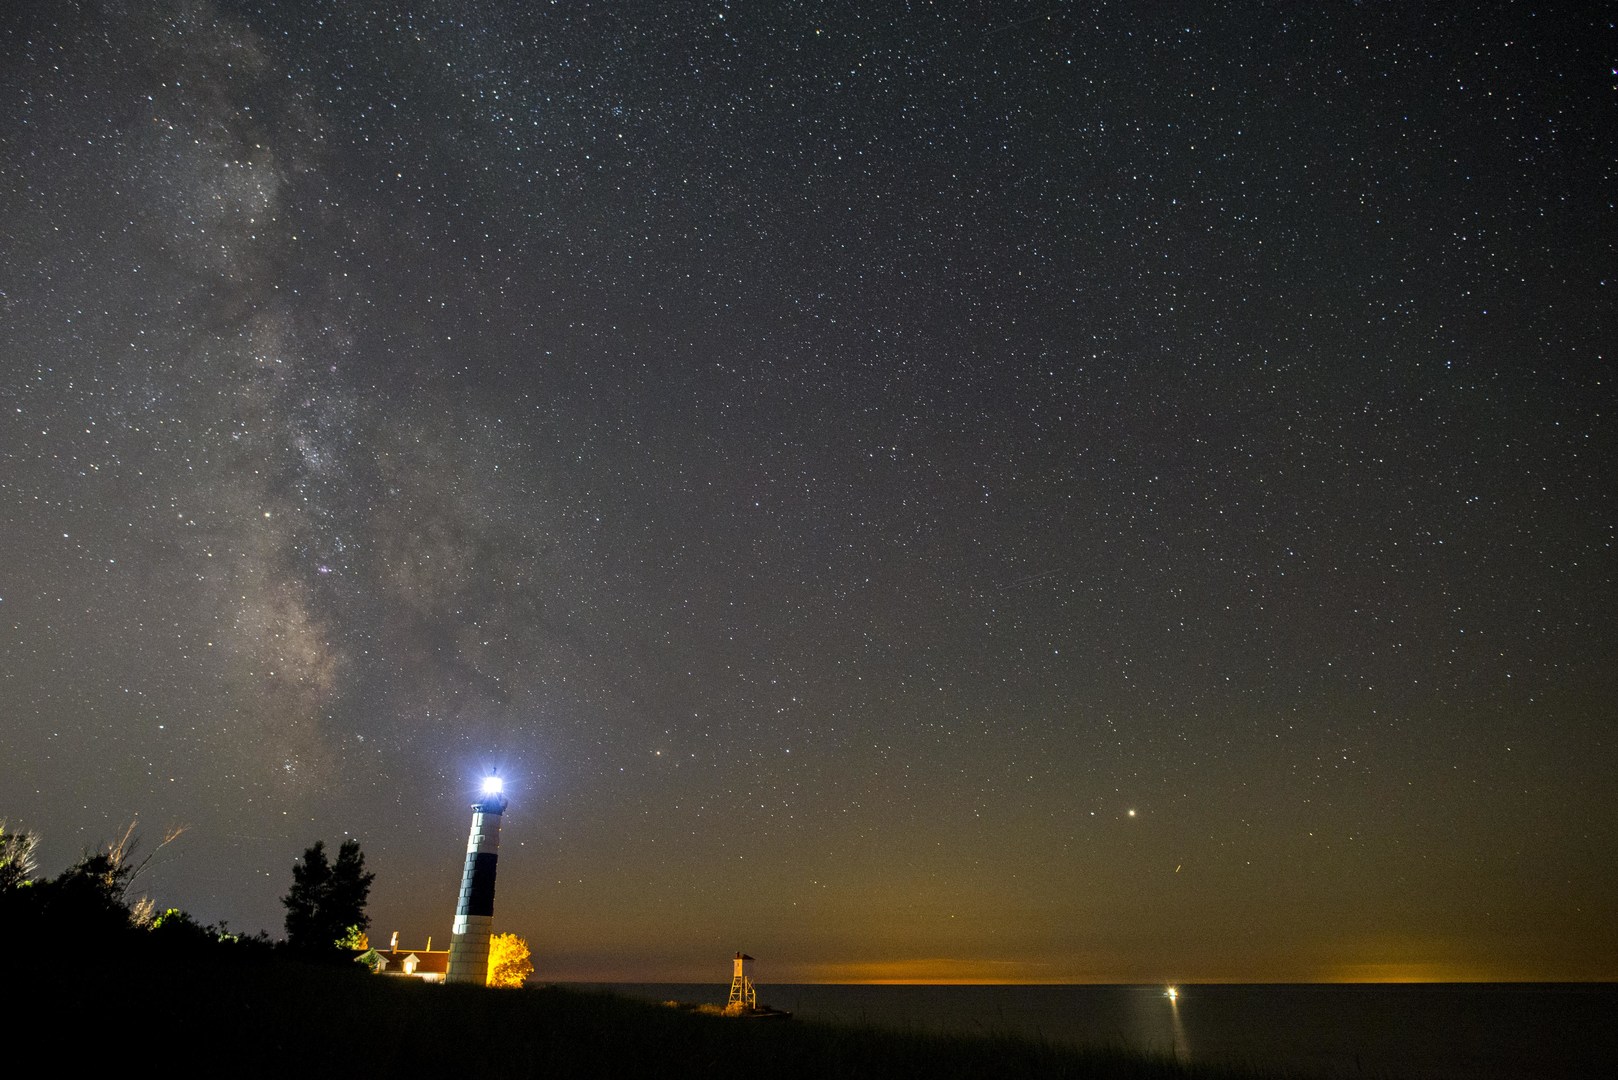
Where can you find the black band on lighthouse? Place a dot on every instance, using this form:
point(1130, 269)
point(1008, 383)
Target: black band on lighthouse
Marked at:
point(480, 898)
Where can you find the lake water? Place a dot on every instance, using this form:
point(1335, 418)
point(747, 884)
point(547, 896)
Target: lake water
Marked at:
point(1420, 1032)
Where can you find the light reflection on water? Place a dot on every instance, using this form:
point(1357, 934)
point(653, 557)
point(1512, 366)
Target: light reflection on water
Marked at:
point(1182, 1047)
point(1423, 1032)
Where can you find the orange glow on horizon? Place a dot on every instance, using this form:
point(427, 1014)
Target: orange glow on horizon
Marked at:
point(955, 971)
point(1396, 971)
point(935, 971)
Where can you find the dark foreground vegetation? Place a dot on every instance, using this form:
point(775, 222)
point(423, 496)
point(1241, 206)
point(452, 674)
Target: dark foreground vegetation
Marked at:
point(97, 984)
point(259, 1012)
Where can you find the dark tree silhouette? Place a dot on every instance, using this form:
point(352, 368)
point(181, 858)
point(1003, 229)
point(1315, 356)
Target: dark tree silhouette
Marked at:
point(326, 906)
point(92, 895)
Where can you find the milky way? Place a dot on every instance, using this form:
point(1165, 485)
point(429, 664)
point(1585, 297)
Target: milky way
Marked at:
point(1018, 492)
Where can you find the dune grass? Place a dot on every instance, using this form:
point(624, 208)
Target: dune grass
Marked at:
point(266, 1015)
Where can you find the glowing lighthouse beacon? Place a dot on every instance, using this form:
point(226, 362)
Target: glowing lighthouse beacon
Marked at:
point(474, 910)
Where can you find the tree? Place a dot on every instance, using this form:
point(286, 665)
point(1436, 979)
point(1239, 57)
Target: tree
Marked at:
point(21, 898)
point(91, 898)
point(177, 929)
point(326, 906)
point(16, 858)
point(354, 939)
point(509, 965)
point(92, 894)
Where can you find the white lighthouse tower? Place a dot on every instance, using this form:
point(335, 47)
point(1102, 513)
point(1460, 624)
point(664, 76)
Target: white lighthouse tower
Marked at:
point(474, 909)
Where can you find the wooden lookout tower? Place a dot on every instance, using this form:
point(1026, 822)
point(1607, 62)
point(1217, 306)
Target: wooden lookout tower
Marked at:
point(743, 998)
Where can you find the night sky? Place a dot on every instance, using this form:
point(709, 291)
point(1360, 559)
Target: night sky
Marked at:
point(918, 491)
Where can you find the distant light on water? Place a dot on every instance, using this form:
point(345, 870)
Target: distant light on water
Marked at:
point(1172, 993)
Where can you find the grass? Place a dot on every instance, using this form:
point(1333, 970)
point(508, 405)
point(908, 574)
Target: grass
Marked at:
point(268, 1015)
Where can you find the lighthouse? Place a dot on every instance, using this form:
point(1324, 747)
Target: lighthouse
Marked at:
point(474, 908)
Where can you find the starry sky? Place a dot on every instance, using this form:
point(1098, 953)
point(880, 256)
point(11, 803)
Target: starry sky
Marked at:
point(915, 491)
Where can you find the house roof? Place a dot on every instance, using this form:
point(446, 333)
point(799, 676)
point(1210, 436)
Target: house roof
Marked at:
point(433, 962)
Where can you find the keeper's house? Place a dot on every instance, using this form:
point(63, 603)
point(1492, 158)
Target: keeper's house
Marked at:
point(427, 964)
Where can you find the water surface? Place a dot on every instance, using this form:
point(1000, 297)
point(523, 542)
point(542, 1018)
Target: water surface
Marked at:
point(1491, 1031)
